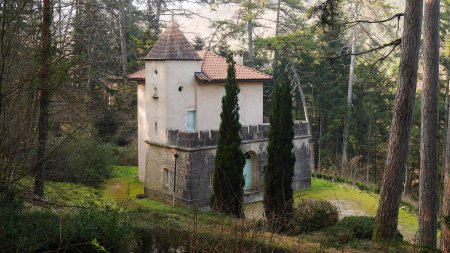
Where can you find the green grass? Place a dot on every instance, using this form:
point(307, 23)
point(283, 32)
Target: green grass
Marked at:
point(124, 187)
point(358, 200)
point(121, 190)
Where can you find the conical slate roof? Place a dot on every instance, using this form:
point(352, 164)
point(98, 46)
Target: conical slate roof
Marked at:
point(172, 45)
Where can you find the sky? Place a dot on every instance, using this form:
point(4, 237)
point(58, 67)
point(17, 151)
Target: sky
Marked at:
point(199, 24)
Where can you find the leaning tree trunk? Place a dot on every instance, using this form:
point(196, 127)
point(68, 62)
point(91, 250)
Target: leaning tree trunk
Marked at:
point(351, 80)
point(44, 100)
point(394, 174)
point(296, 79)
point(428, 180)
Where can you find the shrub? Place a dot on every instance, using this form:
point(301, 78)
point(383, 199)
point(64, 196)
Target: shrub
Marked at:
point(362, 186)
point(353, 227)
point(38, 230)
point(128, 155)
point(82, 161)
point(314, 214)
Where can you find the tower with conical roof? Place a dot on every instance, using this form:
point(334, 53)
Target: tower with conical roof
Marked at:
point(170, 83)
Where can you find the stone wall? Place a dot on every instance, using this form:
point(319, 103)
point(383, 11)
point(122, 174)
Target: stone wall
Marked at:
point(195, 164)
point(200, 139)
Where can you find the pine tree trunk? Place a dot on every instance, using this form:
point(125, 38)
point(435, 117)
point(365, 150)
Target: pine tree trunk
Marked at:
point(250, 43)
point(277, 32)
point(394, 173)
point(447, 106)
point(407, 190)
point(44, 100)
point(157, 17)
point(319, 151)
point(428, 184)
point(445, 215)
point(123, 41)
point(351, 80)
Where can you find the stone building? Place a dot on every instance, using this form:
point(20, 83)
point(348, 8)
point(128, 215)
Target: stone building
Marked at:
point(179, 103)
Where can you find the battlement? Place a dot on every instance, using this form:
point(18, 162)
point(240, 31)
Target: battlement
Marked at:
point(209, 138)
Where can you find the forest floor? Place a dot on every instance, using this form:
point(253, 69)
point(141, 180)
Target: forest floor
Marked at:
point(123, 188)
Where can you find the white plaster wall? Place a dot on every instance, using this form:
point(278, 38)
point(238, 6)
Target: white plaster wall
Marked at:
point(156, 108)
point(209, 104)
point(180, 73)
point(142, 129)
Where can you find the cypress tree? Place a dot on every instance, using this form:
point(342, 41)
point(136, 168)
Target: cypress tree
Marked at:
point(229, 162)
point(278, 193)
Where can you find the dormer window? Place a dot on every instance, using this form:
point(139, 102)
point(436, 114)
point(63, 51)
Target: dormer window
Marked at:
point(155, 92)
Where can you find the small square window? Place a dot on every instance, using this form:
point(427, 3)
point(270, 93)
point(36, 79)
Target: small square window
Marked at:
point(166, 178)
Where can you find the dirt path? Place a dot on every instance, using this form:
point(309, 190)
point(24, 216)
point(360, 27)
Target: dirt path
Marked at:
point(255, 211)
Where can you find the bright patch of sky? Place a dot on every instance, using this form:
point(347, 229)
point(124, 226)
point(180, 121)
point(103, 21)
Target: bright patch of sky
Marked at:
point(198, 20)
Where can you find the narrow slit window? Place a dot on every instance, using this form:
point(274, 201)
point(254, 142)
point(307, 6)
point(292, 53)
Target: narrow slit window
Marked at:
point(155, 92)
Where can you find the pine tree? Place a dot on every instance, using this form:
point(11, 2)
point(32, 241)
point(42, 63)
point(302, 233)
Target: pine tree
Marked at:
point(394, 173)
point(199, 43)
point(278, 194)
point(228, 180)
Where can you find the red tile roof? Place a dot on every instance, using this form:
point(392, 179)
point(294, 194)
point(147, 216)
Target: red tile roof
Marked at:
point(214, 69)
point(137, 76)
point(172, 45)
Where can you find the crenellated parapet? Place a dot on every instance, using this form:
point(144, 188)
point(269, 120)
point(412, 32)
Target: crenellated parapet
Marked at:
point(210, 138)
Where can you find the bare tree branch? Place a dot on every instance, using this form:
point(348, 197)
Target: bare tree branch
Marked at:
point(394, 43)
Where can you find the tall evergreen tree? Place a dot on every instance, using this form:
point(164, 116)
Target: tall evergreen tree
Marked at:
point(228, 180)
point(278, 194)
point(428, 180)
point(394, 173)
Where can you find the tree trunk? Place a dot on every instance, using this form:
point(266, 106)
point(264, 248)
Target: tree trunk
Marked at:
point(250, 42)
point(445, 225)
point(394, 173)
point(319, 142)
point(157, 18)
point(277, 32)
point(44, 100)
point(447, 107)
point(407, 190)
point(428, 180)
point(305, 111)
point(369, 154)
point(351, 80)
point(123, 40)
